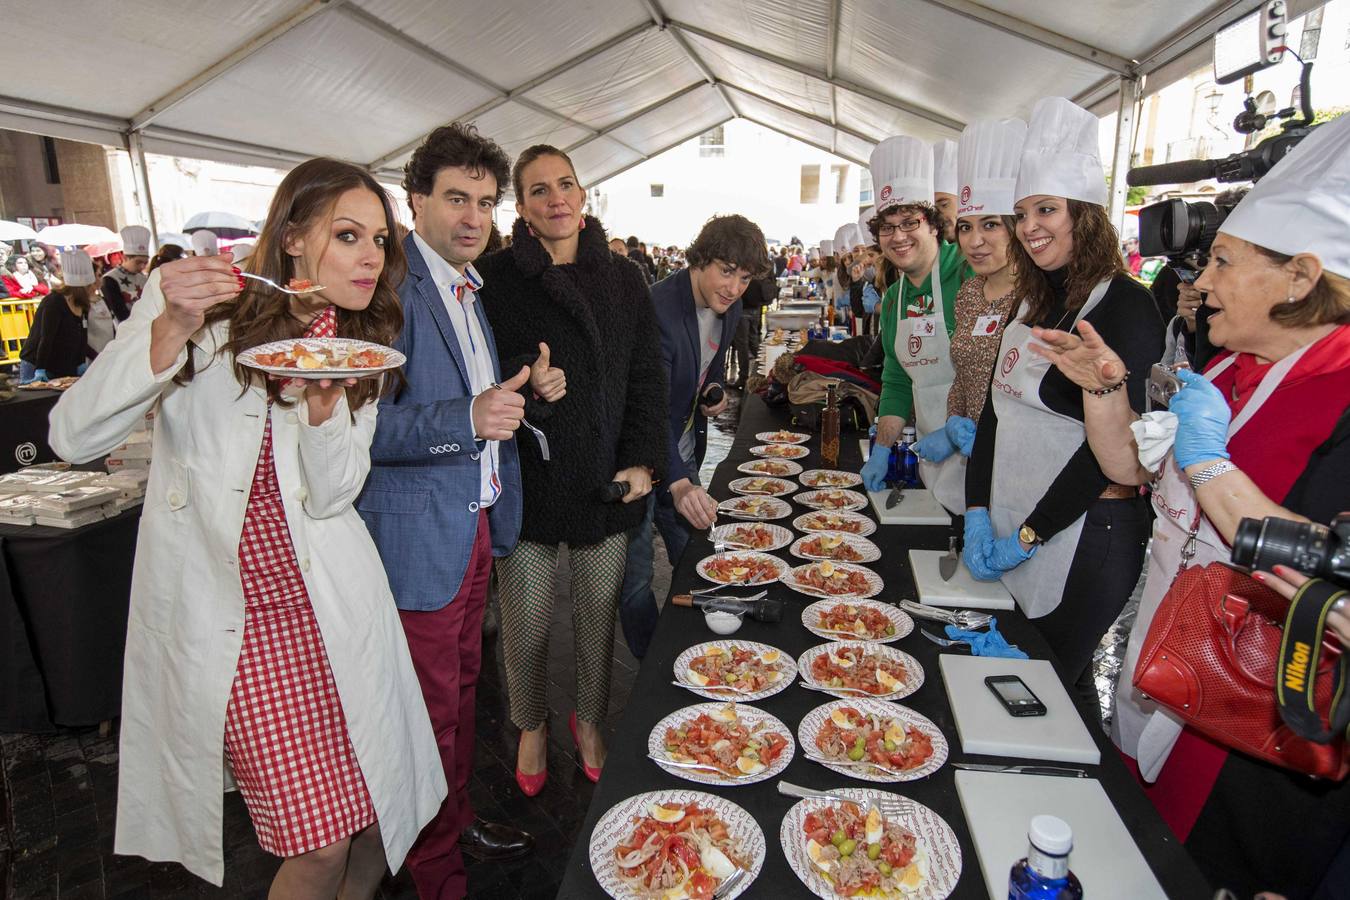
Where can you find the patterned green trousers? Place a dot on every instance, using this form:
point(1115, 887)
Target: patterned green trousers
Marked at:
point(525, 590)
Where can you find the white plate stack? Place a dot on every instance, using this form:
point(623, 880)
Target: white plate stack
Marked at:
point(76, 507)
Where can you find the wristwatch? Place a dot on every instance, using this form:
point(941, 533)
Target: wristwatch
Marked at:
point(1027, 535)
point(1209, 473)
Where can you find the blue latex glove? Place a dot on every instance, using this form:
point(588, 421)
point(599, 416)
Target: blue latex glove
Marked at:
point(1202, 420)
point(874, 470)
point(961, 432)
point(990, 643)
point(41, 375)
point(934, 446)
point(1007, 554)
point(81, 368)
point(979, 541)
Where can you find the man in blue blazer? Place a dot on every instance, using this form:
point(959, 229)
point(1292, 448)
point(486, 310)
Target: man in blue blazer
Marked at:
point(444, 496)
point(697, 309)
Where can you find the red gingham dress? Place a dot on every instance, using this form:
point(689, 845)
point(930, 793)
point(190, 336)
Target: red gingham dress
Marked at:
point(285, 733)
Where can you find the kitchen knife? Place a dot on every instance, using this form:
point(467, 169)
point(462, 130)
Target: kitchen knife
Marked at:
point(1062, 771)
point(896, 495)
point(947, 564)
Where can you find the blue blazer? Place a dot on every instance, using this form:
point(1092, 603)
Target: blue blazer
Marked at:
point(677, 316)
point(421, 499)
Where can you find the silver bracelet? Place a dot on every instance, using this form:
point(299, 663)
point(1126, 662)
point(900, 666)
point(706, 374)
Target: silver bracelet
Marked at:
point(1209, 473)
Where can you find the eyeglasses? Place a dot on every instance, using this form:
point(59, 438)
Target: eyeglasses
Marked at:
point(907, 225)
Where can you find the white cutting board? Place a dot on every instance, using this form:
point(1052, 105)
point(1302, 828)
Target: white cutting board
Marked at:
point(999, 808)
point(918, 508)
point(962, 591)
point(986, 727)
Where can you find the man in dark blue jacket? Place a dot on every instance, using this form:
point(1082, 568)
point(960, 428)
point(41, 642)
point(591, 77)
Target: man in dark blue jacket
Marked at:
point(444, 496)
point(697, 309)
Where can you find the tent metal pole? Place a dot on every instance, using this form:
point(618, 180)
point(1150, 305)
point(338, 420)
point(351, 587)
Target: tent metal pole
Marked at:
point(807, 142)
point(634, 116)
point(659, 18)
point(141, 173)
point(671, 146)
point(831, 63)
point(842, 129)
point(1129, 90)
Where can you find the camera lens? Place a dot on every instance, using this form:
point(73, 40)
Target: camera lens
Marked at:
point(1265, 544)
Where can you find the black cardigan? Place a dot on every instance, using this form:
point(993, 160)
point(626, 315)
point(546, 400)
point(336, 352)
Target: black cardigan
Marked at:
point(57, 341)
point(597, 318)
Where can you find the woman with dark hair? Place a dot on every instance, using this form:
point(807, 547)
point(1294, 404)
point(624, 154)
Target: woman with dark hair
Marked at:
point(57, 345)
point(262, 630)
point(165, 254)
point(560, 284)
point(1066, 541)
point(23, 281)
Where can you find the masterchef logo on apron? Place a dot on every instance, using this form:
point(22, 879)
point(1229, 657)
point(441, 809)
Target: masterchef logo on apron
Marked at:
point(1005, 369)
point(915, 344)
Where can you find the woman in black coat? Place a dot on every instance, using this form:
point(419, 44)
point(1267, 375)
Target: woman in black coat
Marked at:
point(559, 285)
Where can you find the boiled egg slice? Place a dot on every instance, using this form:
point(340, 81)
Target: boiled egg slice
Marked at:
point(841, 718)
point(830, 541)
point(769, 657)
point(896, 734)
point(665, 814)
point(813, 850)
point(695, 678)
point(916, 874)
point(858, 627)
point(715, 862)
point(874, 826)
point(308, 362)
point(749, 766)
point(887, 681)
point(725, 713)
point(827, 569)
point(740, 571)
point(842, 662)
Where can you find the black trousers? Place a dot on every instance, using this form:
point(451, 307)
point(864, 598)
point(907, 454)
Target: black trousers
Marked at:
point(745, 344)
point(1103, 574)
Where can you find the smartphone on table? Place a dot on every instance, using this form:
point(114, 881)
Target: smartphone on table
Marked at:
point(1015, 696)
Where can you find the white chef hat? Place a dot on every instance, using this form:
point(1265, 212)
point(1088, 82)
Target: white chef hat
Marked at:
point(902, 172)
point(844, 237)
point(205, 243)
point(1303, 204)
point(136, 240)
point(990, 154)
point(945, 179)
point(826, 247)
point(77, 269)
point(865, 233)
point(1061, 157)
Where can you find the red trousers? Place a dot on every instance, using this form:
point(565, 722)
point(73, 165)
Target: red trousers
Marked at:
point(447, 653)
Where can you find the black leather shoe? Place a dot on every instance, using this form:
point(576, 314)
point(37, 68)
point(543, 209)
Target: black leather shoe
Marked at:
point(491, 841)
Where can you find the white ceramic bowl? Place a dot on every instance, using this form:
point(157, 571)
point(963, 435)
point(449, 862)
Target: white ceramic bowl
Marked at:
point(721, 621)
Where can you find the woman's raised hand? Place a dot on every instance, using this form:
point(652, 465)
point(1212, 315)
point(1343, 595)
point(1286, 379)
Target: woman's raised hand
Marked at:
point(193, 285)
point(1084, 358)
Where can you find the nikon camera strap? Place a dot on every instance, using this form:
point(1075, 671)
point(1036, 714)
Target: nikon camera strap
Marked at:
point(1301, 651)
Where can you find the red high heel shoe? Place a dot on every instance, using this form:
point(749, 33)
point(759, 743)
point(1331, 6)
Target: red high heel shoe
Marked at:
point(592, 773)
point(530, 784)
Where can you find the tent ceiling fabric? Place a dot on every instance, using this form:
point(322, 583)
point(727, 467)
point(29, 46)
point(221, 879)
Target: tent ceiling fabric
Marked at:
point(617, 81)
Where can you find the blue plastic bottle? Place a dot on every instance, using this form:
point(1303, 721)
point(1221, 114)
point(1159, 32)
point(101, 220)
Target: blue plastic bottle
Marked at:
point(909, 460)
point(871, 440)
point(1044, 873)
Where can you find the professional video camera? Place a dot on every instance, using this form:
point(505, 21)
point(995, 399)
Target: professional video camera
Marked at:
point(1317, 551)
point(1182, 231)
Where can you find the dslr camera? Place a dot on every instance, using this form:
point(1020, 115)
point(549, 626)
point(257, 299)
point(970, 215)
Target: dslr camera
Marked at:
point(1318, 551)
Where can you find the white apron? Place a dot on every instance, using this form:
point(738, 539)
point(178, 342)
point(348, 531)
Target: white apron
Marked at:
point(1140, 727)
point(927, 358)
point(102, 326)
point(1033, 445)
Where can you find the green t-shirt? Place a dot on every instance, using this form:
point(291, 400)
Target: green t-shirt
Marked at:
point(904, 300)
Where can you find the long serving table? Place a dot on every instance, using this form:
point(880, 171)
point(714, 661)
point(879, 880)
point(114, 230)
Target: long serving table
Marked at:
point(629, 772)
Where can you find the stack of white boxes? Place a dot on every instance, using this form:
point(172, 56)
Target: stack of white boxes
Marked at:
point(60, 499)
point(135, 453)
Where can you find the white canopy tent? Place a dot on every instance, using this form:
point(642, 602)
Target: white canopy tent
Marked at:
point(272, 82)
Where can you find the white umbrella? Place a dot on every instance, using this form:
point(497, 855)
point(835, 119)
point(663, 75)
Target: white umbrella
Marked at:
point(173, 237)
point(73, 234)
point(224, 224)
point(13, 231)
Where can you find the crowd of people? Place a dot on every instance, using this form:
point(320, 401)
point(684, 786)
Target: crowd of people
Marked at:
point(340, 536)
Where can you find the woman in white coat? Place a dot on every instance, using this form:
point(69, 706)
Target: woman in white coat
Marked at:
point(262, 631)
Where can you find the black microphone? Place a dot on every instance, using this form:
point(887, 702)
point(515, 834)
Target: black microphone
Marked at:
point(614, 492)
point(1181, 172)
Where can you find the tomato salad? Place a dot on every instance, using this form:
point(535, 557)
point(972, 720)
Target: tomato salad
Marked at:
point(724, 742)
point(863, 855)
point(849, 735)
point(859, 668)
point(679, 849)
point(866, 622)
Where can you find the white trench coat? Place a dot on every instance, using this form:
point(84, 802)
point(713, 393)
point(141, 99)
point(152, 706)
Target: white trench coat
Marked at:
point(187, 604)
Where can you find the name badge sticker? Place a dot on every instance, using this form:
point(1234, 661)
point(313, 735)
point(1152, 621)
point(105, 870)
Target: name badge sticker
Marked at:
point(923, 326)
point(986, 325)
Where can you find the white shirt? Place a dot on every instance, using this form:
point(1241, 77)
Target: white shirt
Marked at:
point(473, 347)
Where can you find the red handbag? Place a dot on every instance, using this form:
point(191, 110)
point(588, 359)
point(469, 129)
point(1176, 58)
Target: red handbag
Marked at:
point(1211, 656)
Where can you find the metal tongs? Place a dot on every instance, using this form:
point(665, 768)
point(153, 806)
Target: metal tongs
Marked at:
point(965, 619)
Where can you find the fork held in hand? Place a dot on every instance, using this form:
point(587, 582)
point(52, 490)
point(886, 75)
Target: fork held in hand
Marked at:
point(285, 290)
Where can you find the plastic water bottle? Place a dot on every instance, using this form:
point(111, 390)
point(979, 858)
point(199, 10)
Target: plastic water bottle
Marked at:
point(871, 440)
point(909, 460)
point(1044, 873)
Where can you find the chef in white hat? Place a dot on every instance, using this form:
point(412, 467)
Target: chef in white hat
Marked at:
point(205, 243)
point(990, 154)
point(917, 311)
point(56, 346)
point(1066, 540)
point(862, 234)
point(122, 284)
point(1260, 433)
point(945, 185)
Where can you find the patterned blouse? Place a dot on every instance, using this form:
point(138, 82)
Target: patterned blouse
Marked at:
point(973, 356)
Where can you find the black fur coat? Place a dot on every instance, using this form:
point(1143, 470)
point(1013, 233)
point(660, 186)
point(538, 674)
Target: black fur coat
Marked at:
point(597, 318)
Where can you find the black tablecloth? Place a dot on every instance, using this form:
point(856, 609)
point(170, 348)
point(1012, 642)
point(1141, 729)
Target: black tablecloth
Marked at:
point(628, 771)
point(23, 429)
point(64, 597)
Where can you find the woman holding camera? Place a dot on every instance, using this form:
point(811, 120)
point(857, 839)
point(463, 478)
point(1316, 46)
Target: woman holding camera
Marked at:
point(1264, 432)
point(1065, 539)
